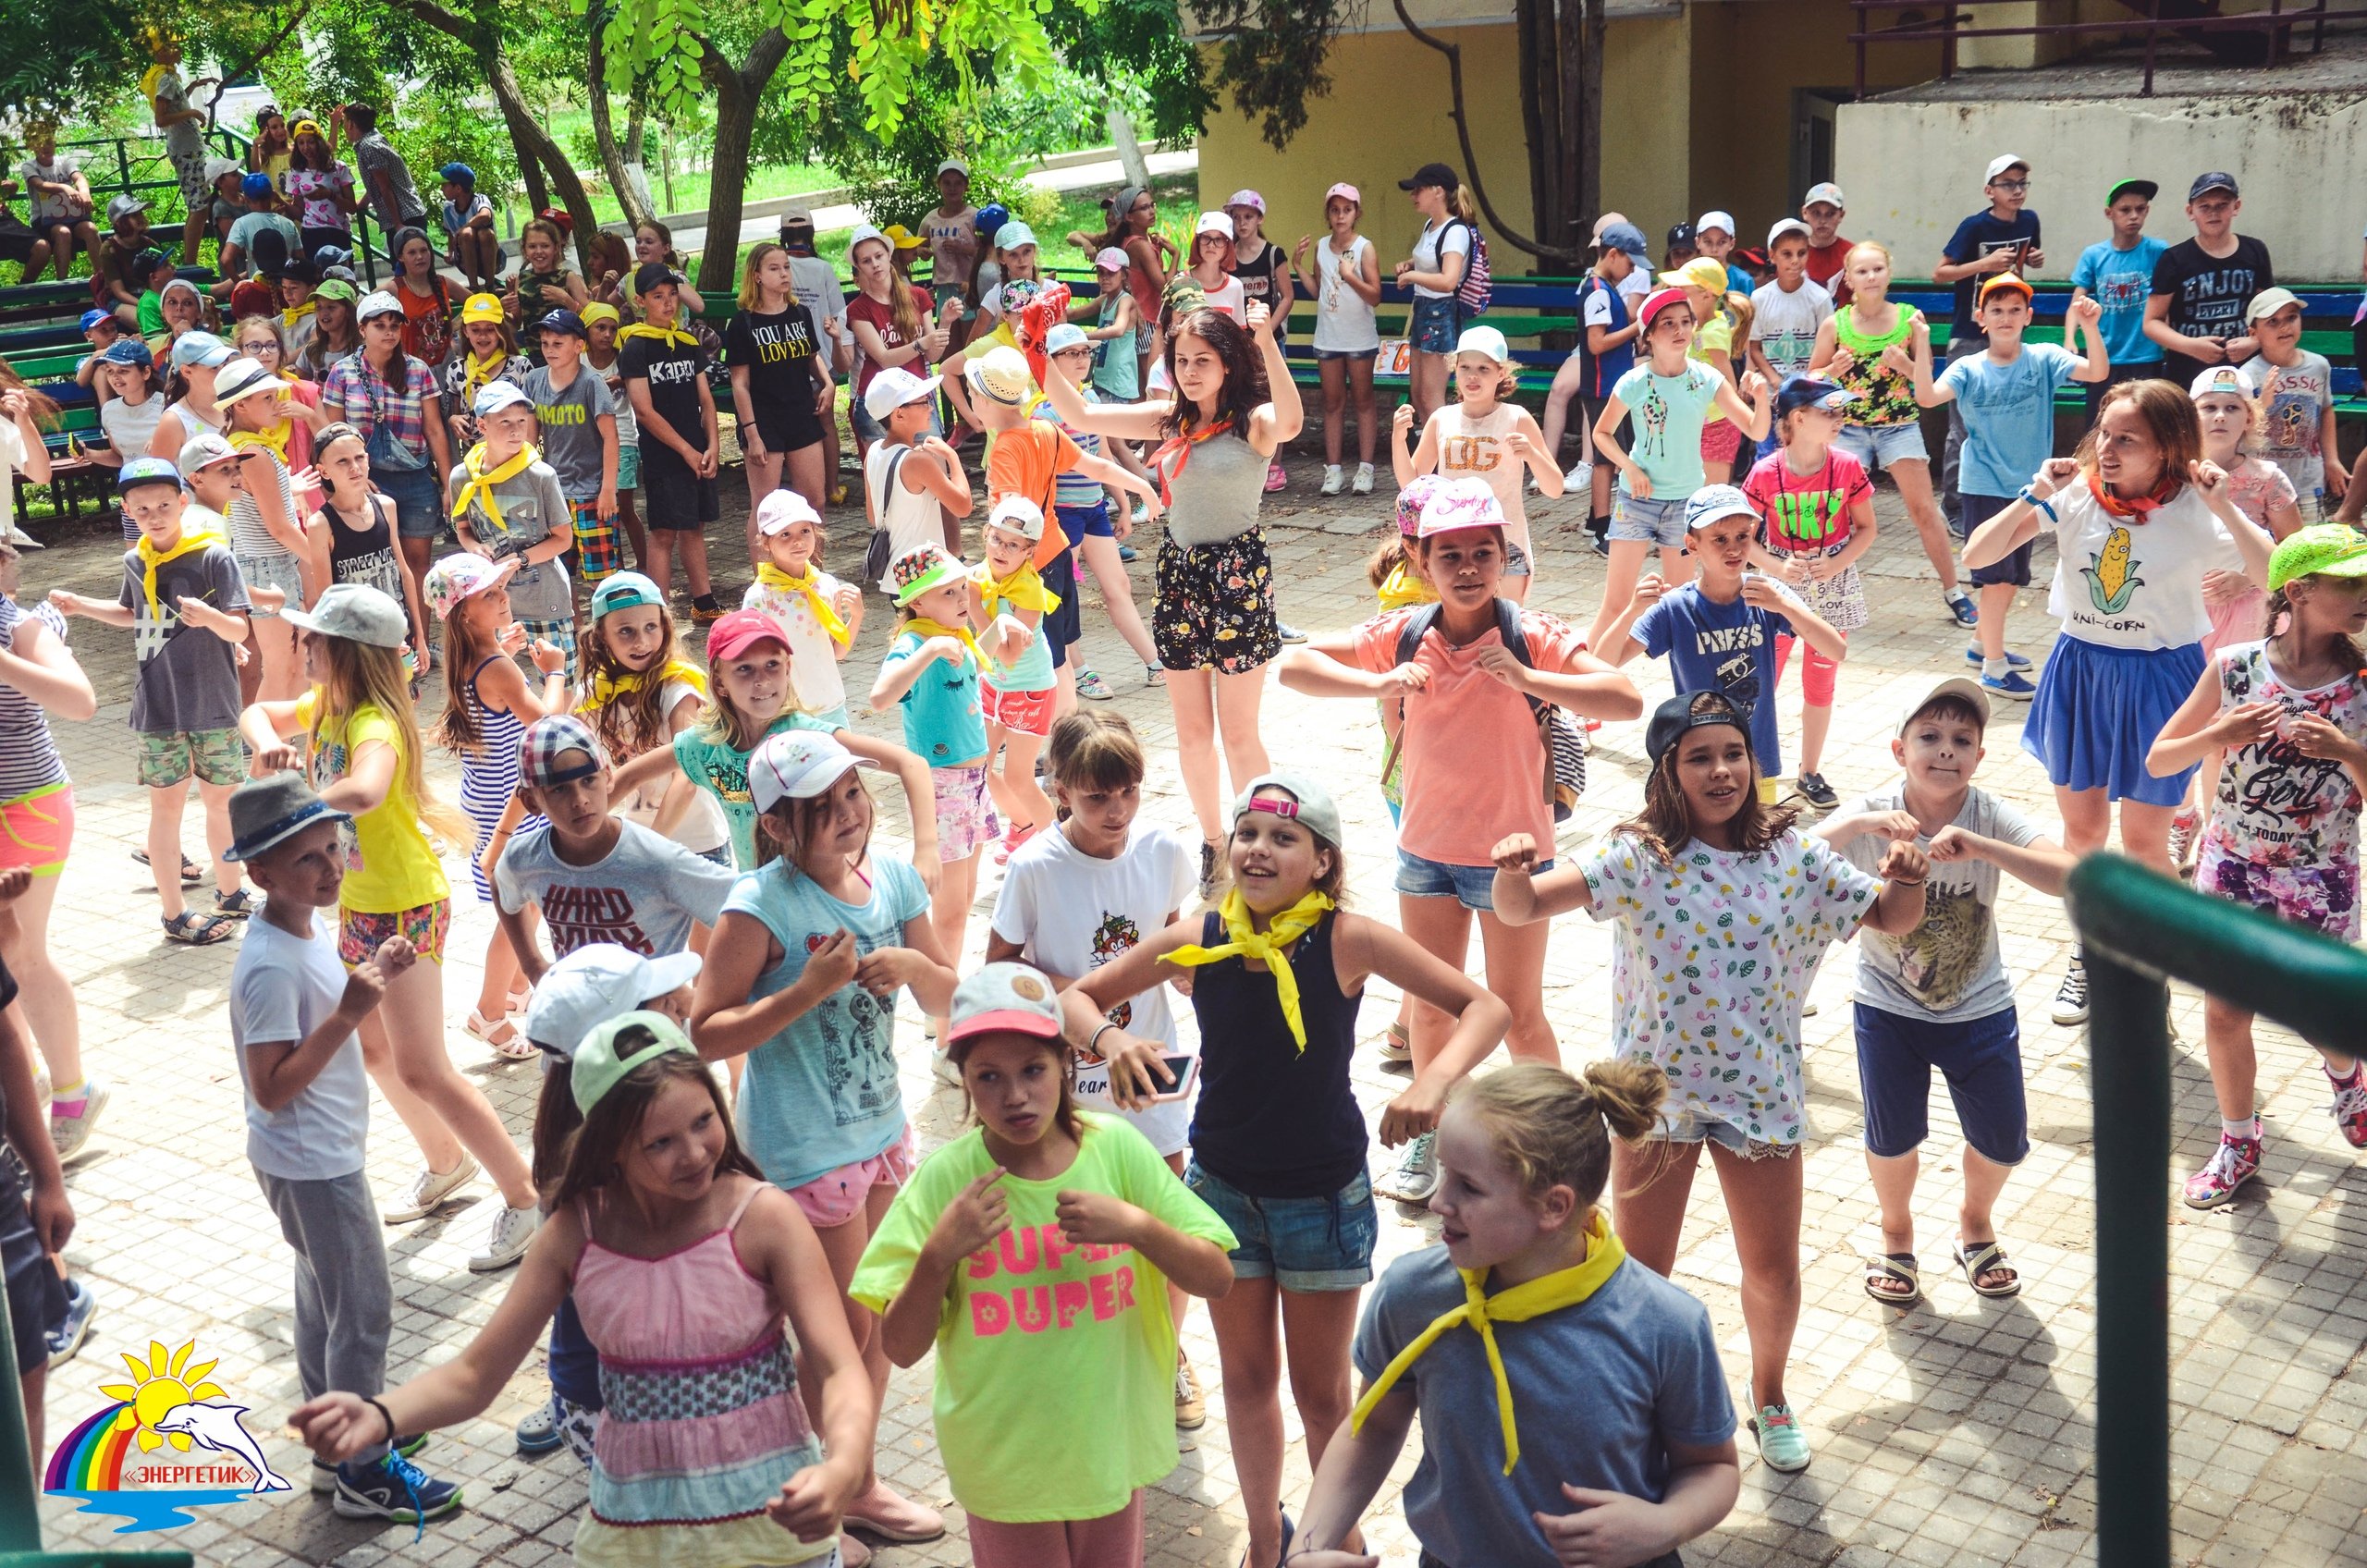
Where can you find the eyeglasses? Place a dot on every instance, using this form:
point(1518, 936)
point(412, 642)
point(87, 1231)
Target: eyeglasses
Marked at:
point(2011, 184)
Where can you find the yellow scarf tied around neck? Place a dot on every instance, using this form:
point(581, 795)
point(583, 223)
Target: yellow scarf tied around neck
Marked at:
point(475, 373)
point(772, 576)
point(1023, 590)
point(922, 627)
point(606, 687)
point(273, 441)
point(290, 315)
point(481, 480)
point(151, 560)
point(1268, 947)
point(1481, 1312)
point(1401, 590)
point(663, 334)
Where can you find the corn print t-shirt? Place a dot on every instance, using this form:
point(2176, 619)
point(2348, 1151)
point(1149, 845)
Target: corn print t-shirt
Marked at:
point(1715, 957)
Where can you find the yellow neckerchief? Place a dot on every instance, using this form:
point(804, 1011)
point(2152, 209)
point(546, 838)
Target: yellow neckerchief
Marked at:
point(289, 317)
point(475, 373)
point(1550, 1292)
point(922, 627)
point(1266, 947)
point(606, 689)
point(273, 441)
point(1400, 589)
point(481, 480)
point(150, 78)
point(151, 560)
point(666, 335)
point(772, 576)
point(1023, 590)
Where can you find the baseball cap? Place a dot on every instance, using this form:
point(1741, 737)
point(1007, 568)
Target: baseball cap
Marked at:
point(2120, 188)
point(1484, 340)
point(1702, 272)
point(1961, 689)
point(123, 207)
point(655, 274)
point(1249, 199)
point(1659, 299)
point(1824, 191)
point(901, 238)
point(594, 983)
point(482, 309)
point(337, 289)
point(864, 231)
point(2003, 162)
point(1018, 515)
point(204, 350)
point(625, 590)
point(255, 186)
point(917, 571)
point(458, 174)
point(1412, 497)
point(462, 576)
point(1013, 234)
point(1713, 218)
point(216, 167)
point(892, 386)
point(954, 165)
point(1808, 392)
point(782, 511)
point(1001, 374)
point(152, 470)
point(1006, 997)
point(2323, 549)
point(2220, 381)
point(2266, 303)
point(125, 351)
point(201, 450)
point(496, 396)
point(1109, 259)
point(741, 630)
point(1459, 504)
point(1218, 224)
point(796, 765)
point(1689, 711)
point(543, 742)
point(563, 320)
point(615, 1047)
point(1712, 502)
point(1438, 174)
point(264, 811)
point(992, 216)
point(1344, 188)
point(356, 612)
point(1995, 281)
point(1783, 226)
point(378, 303)
point(94, 318)
point(1680, 234)
point(2217, 180)
point(1311, 804)
point(1064, 336)
point(242, 379)
point(1625, 237)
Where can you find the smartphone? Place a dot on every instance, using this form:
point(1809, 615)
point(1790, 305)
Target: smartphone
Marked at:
point(1187, 1072)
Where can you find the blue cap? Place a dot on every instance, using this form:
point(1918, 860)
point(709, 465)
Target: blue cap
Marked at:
point(1807, 392)
point(992, 216)
point(1629, 238)
point(563, 320)
point(255, 186)
point(459, 174)
point(92, 318)
point(126, 352)
point(147, 471)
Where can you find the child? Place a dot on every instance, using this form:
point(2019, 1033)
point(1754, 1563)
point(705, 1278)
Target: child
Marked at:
point(1277, 1142)
point(1264, 273)
point(1816, 508)
point(781, 385)
point(1721, 632)
point(1083, 506)
point(1483, 432)
point(911, 503)
point(1606, 350)
point(641, 689)
point(1042, 1213)
point(36, 1217)
point(684, 1266)
point(665, 372)
point(470, 244)
point(1345, 281)
point(488, 704)
point(507, 505)
point(1787, 315)
point(1940, 997)
point(185, 605)
point(355, 524)
point(1721, 318)
point(2118, 275)
point(1572, 1324)
point(130, 408)
point(2296, 392)
point(577, 419)
point(2007, 393)
point(294, 1010)
point(2283, 837)
point(952, 229)
point(1117, 323)
point(821, 614)
point(813, 944)
point(1668, 394)
point(1710, 855)
point(601, 323)
point(544, 282)
point(487, 351)
point(266, 526)
point(1395, 574)
point(1017, 688)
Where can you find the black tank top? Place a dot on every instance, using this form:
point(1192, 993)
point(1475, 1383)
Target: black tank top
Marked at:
point(363, 555)
point(1273, 1121)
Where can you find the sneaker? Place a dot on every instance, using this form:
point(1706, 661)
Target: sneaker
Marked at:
point(325, 1474)
point(1152, 671)
point(1091, 687)
point(1416, 1176)
point(1275, 478)
point(2233, 1163)
point(706, 614)
point(1816, 792)
point(2350, 1111)
point(1288, 632)
point(1782, 1445)
point(1209, 878)
point(429, 1190)
point(1335, 479)
point(1142, 514)
point(81, 1305)
point(393, 1488)
point(1191, 1404)
point(70, 1129)
point(2072, 997)
point(1581, 474)
point(2013, 683)
point(1362, 484)
point(1128, 554)
point(1972, 655)
point(513, 1229)
point(887, 1512)
point(1961, 606)
point(2183, 827)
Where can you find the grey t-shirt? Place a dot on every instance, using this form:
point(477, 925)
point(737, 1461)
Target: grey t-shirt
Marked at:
point(531, 510)
point(243, 232)
point(379, 164)
point(188, 678)
point(183, 139)
point(571, 420)
point(642, 895)
point(1947, 969)
point(282, 989)
point(1599, 1391)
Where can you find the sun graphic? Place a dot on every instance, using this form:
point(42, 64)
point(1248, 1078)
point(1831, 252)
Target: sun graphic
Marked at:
point(164, 1381)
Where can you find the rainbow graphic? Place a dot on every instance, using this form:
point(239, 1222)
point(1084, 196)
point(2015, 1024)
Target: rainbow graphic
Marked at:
point(87, 1463)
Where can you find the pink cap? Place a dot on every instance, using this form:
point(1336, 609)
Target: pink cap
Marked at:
point(1246, 198)
point(1658, 300)
point(739, 631)
point(1460, 504)
point(1110, 259)
point(1344, 189)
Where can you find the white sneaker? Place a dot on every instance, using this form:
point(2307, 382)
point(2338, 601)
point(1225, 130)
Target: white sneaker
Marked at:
point(1362, 484)
point(513, 1229)
point(428, 1191)
point(1334, 481)
point(2072, 997)
point(1416, 1176)
point(1581, 474)
point(71, 1132)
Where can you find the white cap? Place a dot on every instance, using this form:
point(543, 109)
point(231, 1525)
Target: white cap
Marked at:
point(892, 386)
point(496, 396)
point(864, 231)
point(1826, 193)
point(1786, 225)
point(954, 165)
point(1213, 223)
point(378, 303)
point(796, 765)
point(1001, 374)
point(2003, 162)
point(592, 985)
point(1713, 218)
point(1484, 340)
point(1017, 514)
point(782, 511)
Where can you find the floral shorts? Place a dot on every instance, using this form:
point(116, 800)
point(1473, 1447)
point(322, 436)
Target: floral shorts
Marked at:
point(2323, 898)
point(1215, 605)
point(835, 1197)
point(167, 758)
point(599, 543)
point(427, 925)
point(965, 811)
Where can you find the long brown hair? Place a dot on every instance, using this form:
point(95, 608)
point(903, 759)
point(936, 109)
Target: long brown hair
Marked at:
point(596, 1152)
point(556, 1119)
point(797, 819)
point(2280, 606)
point(2168, 413)
point(750, 291)
point(1245, 372)
point(465, 652)
point(1666, 824)
point(1554, 1129)
point(634, 719)
point(42, 407)
point(902, 308)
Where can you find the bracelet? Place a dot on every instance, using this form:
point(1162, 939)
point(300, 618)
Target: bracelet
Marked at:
point(1093, 1044)
point(1903, 882)
point(2038, 501)
point(384, 1414)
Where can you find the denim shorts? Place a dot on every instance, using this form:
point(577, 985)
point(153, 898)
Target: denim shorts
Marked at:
point(419, 502)
point(1435, 324)
point(1980, 1058)
point(1371, 353)
point(1306, 1244)
point(1879, 446)
point(1082, 522)
point(1649, 519)
point(1686, 1127)
point(277, 569)
point(1471, 885)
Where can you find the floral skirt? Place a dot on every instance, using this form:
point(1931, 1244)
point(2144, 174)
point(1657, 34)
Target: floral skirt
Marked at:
point(1215, 605)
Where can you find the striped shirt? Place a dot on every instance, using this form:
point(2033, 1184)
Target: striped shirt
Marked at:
point(29, 759)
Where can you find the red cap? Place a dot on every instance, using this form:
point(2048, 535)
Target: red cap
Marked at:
point(741, 630)
point(1659, 299)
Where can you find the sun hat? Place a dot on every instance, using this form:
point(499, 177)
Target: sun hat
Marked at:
point(1712, 502)
point(1702, 272)
point(154, 471)
point(2268, 303)
point(892, 386)
point(1659, 299)
point(655, 274)
point(1065, 336)
point(597, 313)
point(1807, 392)
point(482, 310)
point(356, 612)
point(1006, 997)
point(602, 1059)
point(202, 349)
point(1013, 234)
point(919, 570)
point(265, 810)
point(1484, 340)
point(1715, 219)
point(2003, 162)
point(2120, 188)
point(741, 630)
point(1826, 193)
point(1627, 237)
point(2217, 381)
point(1412, 497)
point(594, 983)
point(1460, 504)
point(256, 187)
point(543, 742)
point(378, 303)
point(864, 232)
point(1110, 259)
point(1675, 717)
point(1344, 188)
point(1312, 804)
point(1783, 226)
point(782, 511)
point(1440, 175)
point(2013, 281)
point(242, 379)
point(1959, 688)
point(2323, 549)
point(496, 396)
point(625, 590)
point(458, 174)
point(563, 320)
point(797, 765)
point(2215, 180)
point(1249, 199)
point(1000, 376)
point(337, 289)
point(1017, 514)
point(462, 576)
point(125, 351)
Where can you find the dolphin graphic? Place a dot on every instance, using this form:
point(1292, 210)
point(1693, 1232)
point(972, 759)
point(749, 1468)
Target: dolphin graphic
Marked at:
point(214, 1424)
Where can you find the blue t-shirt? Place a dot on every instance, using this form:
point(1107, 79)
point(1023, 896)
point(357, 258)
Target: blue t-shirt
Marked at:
point(944, 726)
point(2009, 414)
point(721, 769)
point(2120, 281)
point(1725, 648)
point(822, 1093)
point(1601, 305)
point(1974, 238)
point(1599, 1391)
point(1668, 412)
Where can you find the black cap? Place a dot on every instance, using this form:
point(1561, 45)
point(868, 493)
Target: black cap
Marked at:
point(2215, 180)
point(302, 271)
point(1680, 234)
point(2144, 188)
point(563, 320)
point(652, 274)
point(1438, 174)
point(1690, 710)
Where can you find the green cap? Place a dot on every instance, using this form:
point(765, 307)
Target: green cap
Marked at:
point(921, 569)
point(2324, 550)
point(2144, 188)
point(599, 1066)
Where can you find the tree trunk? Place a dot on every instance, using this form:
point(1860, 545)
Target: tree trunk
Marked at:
point(1130, 151)
point(538, 194)
point(604, 133)
point(1590, 112)
point(636, 133)
point(738, 91)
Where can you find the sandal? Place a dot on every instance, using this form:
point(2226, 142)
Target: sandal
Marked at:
point(237, 905)
point(508, 1040)
point(1900, 1267)
point(192, 929)
point(191, 873)
point(1987, 1257)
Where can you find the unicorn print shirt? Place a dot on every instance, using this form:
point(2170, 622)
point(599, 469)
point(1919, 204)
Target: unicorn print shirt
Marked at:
point(2136, 581)
point(1716, 953)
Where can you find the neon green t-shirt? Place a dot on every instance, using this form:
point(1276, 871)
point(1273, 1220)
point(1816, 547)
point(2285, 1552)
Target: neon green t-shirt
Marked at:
point(1055, 1365)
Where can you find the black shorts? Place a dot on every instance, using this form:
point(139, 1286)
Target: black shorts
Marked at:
point(1063, 624)
point(36, 1296)
point(1590, 410)
point(16, 240)
point(788, 427)
point(2015, 568)
point(674, 498)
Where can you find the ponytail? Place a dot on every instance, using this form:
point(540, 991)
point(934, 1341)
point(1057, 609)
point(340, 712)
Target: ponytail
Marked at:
point(1461, 204)
point(1555, 1130)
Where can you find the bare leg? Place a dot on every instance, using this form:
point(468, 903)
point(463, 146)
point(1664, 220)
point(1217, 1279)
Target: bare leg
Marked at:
point(763, 470)
point(1317, 1328)
point(1557, 405)
point(1238, 698)
point(810, 471)
point(1368, 415)
point(630, 518)
point(1893, 1181)
point(1651, 1183)
point(1515, 957)
point(436, 1146)
point(51, 1014)
point(1816, 723)
point(164, 808)
point(282, 674)
point(1441, 927)
point(1192, 698)
point(1249, 1353)
point(1618, 584)
point(2145, 834)
point(948, 910)
point(1763, 1206)
point(1334, 375)
point(1996, 601)
point(1118, 594)
point(661, 558)
point(412, 1015)
point(214, 800)
point(693, 548)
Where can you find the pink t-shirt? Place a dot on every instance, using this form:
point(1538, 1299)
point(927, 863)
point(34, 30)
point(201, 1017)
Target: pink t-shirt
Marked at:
point(1474, 768)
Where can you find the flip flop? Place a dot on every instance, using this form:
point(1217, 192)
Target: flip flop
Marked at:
point(191, 873)
point(1900, 1265)
point(1987, 1257)
point(192, 929)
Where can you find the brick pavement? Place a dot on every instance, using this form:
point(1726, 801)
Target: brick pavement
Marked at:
point(1958, 1434)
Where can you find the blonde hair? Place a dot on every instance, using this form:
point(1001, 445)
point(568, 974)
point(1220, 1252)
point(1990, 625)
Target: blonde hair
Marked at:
point(751, 292)
point(363, 676)
point(634, 719)
point(1554, 1130)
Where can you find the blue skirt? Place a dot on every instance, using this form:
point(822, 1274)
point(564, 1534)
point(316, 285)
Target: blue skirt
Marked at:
point(2098, 712)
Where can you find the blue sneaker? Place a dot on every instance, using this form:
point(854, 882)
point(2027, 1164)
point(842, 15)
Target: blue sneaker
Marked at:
point(1960, 606)
point(1782, 1445)
point(2013, 659)
point(1128, 554)
point(325, 1474)
point(393, 1488)
point(2013, 683)
point(81, 1305)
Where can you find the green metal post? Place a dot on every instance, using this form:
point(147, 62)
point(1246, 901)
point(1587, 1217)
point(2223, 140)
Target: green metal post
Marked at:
point(19, 1512)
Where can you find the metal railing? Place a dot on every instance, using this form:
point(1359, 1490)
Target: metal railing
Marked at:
point(2140, 930)
point(2276, 25)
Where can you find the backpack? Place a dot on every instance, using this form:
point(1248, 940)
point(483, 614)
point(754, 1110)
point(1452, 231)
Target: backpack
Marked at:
point(875, 555)
point(1557, 732)
point(1474, 294)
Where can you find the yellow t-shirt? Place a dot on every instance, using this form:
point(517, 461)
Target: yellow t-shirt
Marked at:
point(1715, 335)
point(389, 864)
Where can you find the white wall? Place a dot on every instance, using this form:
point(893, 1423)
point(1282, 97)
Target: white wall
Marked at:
point(1912, 171)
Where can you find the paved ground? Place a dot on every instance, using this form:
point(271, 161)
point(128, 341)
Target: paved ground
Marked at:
point(1958, 1433)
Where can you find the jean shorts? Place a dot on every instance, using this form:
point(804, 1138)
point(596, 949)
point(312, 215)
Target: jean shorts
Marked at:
point(419, 502)
point(1686, 1127)
point(1082, 522)
point(1435, 324)
point(1879, 446)
point(1649, 519)
point(1306, 1245)
point(1472, 885)
point(1371, 353)
point(277, 569)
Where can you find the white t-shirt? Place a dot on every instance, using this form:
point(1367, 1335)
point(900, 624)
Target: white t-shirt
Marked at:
point(59, 170)
point(815, 284)
point(1635, 285)
point(282, 989)
point(2136, 587)
point(12, 459)
point(1439, 241)
point(1783, 325)
point(1071, 913)
point(813, 657)
point(701, 829)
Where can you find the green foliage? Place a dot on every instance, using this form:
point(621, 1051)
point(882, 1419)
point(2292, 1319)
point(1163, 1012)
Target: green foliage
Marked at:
point(1272, 57)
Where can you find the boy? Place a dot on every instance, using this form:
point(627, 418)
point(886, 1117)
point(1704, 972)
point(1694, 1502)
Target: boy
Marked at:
point(601, 324)
point(815, 284)
point(951, 230)
point(185, 605)
point(2118, 275)
point(294, 1010)
point(665, 375)
point(578, 419)
point(184, 131)
point(2196, 311)
point(58, 194)
point(237, 254)
point(507, 501)
point(1822, 209)
point(2004, 238)
point(1940, 997)
point(297, 313)
point(1606, 350)
point(36, 1223)
point(789, 534)
point(117, 277)
point(1714, 236)
point(2003, 395)
point(1785, 314)
point(595, 877)
point(470, 244)
point(2295, 388)
point(387, 186)
point(154, 273)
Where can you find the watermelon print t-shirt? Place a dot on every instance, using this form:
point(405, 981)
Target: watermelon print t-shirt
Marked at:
point(1715, 957)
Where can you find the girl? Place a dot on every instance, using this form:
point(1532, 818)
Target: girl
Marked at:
point(429, 300)
point(653, 241)
point(601, 323)
point(1442, 255)
point(488, 704)
point(271, 151)
point(1529, 1150)
point(320, 188)
point(363, 754)
point(184, 311)
point(544, 282)
point(194, 359)
point(1211, 266)
point(893, 326)
point(1708, 855)
point(1723, 320)
point(915, 491)
point(821, 614)
point(1486, 434)
point(813, 944)
point(266, 524)
point(1278, 1143)
point(1117, 328)
point(1083, 507)
point(683, 1264)
point(264, 340)
point(2283, 837)
point(1885, 426)
point(781, 388)
point(1134, 230)
point(1816, 509)
point(131, 411)
point(1214, 627)
point(2139, 517)
point(1264, 273)
point(487, 352)
point(389, 396)
point(355, 528)
point(1000, 308)
point(608, 258)
point(1048, 1441)
point(1345, 281)
point(1473, 757)
point(336, 333)
point(640, 691)
point(1017, 688)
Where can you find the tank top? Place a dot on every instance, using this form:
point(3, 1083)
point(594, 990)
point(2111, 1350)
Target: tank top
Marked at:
point(1474, 449)
point(1272, 1120)
point(489, 774)
point(29, 760)
point(911, 517)
point(1115, 364)
point(1884, 397)
point(365, 555)
point(2292, 820)
point(1214, 496)
point(1343, 322)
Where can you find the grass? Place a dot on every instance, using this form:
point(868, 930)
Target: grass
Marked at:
point(571, 127)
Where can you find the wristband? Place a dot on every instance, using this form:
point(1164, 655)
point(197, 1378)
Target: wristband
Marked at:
point(2038, 501)
point(1093, 1044)
point(384, 1414)
point(1903, 882)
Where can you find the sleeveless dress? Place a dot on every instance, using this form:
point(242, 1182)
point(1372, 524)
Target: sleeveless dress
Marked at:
point(489, 774)
point(702, 1422)
point(1884, 397)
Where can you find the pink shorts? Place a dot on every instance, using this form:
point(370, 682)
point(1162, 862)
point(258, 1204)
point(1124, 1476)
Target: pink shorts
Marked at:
point(1027, 713)
point(835, 1197)
point(37, 830)
point(965, 811)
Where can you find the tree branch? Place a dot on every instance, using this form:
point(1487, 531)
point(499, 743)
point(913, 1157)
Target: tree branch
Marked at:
point(1453, 54)
point(222, 83)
